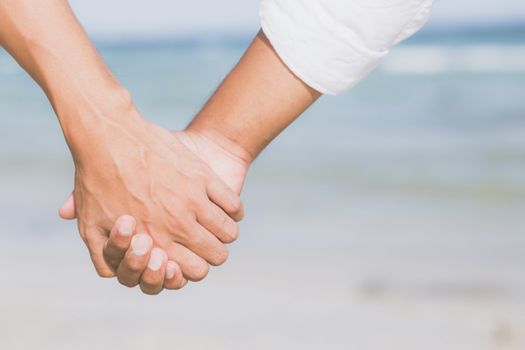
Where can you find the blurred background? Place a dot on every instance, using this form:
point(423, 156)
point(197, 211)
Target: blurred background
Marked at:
point(388, 218)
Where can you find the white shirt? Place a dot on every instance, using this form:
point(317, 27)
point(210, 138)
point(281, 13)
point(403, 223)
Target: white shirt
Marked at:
point(332, 44)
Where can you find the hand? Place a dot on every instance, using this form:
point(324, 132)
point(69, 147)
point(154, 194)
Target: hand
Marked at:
point(142, 170)
point(135, 260)
point(227, 160)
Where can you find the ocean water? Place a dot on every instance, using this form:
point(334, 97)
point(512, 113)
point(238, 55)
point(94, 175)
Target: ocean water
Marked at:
point(390, 217)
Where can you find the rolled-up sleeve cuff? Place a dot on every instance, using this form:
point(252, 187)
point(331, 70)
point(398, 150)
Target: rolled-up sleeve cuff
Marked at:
point(323, 53)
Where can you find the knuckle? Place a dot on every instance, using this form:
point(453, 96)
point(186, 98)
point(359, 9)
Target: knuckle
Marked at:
point(224, 221)
point(208, 213)
point(91, 240)
point(150, 289)
point(181, 284)
point(198, 272)
point(233, 234)
point(104, 273)
point(135, 267)
point(178, 221)
point(149, 281)
point(228, 239)
point(113, 257)
point(113, 265)
point(187, 226)
point(199, 204)
point(174, 217)
point(196, 241)
point(220, 256)
point(101, 268)
point(126, 282)
point(118, 244)
point(202, 171)
point(109, 253)
point(235, 204)
point(175, 286)
point(230, 229)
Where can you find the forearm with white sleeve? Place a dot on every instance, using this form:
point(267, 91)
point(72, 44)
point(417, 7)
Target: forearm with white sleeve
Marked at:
point(332, 44)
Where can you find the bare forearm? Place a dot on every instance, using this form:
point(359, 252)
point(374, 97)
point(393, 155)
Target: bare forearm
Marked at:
point(256, 101)
point(49, 43)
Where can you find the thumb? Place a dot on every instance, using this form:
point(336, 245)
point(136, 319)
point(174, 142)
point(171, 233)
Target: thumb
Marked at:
point(67, 210)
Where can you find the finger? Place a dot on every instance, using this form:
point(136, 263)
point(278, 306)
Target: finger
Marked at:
point(135, 260)
point(95, 241)
point(203, 243)
point(119, 241)
point(174, 278)
point(67, 210)
point(215, 220)
point(152, 280)
point(220, 194)
point(194, 268)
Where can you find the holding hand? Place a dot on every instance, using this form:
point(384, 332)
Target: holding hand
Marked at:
point(133, 259)
point(137, 168)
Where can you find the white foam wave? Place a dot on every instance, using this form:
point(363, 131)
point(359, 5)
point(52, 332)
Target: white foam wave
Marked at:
point(427, 60)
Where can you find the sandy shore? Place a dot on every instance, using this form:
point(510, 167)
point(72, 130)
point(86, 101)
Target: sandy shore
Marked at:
point(370, 276)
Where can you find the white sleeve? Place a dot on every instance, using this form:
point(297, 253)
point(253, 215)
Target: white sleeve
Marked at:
point(332, 44)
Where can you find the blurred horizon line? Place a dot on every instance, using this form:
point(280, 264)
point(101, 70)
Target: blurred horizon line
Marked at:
point(502, 33)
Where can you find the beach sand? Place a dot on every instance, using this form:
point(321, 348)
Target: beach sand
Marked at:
point(368, 274)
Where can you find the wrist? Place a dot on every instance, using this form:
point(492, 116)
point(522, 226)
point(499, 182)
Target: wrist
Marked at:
point(224, 141)
point(87, 119)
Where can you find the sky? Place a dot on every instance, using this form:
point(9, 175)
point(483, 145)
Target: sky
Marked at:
point(158, 18)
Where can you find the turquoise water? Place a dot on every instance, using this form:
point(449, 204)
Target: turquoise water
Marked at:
point(390, 217)
point(437, 118)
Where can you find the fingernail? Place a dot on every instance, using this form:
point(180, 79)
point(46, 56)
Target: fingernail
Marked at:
point(141, 244)
point(156, 259)
point(171, 268)
point(125, 226)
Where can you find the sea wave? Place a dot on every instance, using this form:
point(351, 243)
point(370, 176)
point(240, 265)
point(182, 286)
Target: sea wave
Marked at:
point(430, 59)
